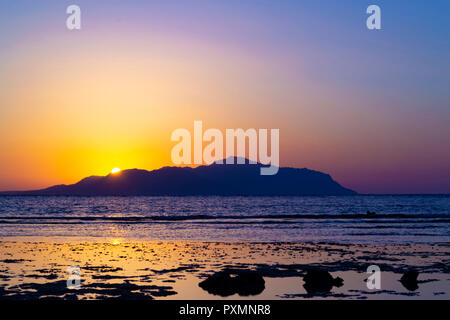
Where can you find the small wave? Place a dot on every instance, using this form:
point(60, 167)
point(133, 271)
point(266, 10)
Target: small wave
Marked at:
point(278, 218)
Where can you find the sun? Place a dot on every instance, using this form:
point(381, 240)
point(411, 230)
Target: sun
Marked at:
point(115, 170)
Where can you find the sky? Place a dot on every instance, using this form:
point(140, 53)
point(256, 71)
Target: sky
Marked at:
point(369, 107)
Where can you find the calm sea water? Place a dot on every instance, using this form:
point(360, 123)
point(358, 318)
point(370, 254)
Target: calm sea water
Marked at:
point(398, 219)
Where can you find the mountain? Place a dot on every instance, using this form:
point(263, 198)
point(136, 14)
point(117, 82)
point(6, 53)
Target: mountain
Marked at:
point(215, 179)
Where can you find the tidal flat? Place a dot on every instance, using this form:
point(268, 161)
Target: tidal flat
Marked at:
point(121, 269)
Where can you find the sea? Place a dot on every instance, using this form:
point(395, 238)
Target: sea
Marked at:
point(398, 219)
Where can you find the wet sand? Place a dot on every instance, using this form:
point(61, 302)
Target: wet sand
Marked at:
point(123, 269)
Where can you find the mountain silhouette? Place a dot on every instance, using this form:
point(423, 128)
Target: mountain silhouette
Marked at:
point(215, 179)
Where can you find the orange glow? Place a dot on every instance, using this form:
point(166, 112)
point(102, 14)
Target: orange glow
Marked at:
point(85, 103)
point(115, 242)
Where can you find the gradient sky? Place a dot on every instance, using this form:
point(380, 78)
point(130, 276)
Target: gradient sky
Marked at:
point(371, 108)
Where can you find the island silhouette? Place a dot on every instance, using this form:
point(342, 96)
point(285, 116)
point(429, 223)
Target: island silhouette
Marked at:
point(214, 179)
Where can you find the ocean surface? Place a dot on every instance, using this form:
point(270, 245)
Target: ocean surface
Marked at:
point(337, 219)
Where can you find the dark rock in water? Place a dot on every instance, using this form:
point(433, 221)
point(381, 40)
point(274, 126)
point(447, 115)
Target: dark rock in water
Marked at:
point(229, 282)
point(338, 282)
point(219, 283)
point(409, 280)
point(320, 281)
point(371, 213)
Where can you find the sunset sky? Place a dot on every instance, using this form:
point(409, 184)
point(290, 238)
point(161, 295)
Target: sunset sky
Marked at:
point(371, 108)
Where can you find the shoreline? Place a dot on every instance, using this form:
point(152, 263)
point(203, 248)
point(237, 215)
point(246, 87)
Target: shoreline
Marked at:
point(127, 239)
point(173, 269)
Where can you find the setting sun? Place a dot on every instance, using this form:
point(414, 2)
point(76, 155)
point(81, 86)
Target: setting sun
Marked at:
point(115, 170)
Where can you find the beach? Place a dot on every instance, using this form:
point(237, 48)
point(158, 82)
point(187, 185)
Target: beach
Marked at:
point(121, 269)
point(165, 247)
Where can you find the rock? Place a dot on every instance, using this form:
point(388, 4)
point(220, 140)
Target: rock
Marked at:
point(228, 282)
point(320, 281)
point(409, 280)
point(371, 213)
